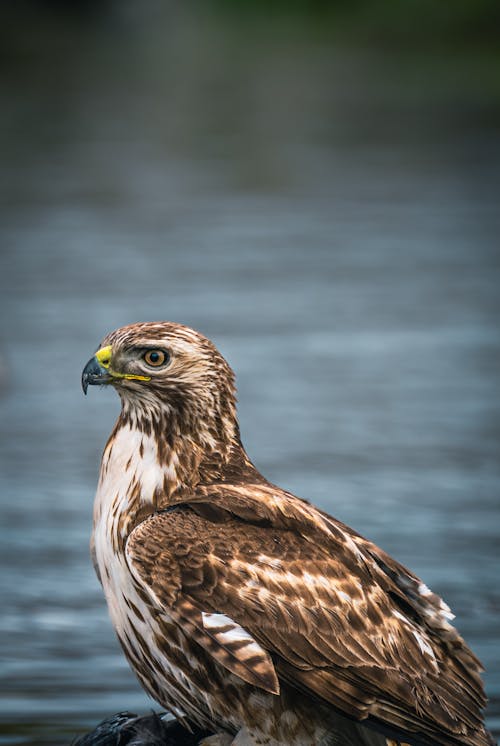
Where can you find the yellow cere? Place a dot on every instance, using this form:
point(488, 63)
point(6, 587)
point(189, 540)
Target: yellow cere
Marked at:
point(103, 357)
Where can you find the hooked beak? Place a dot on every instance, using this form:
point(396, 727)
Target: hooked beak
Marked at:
point(98, 371)
point(94, 374)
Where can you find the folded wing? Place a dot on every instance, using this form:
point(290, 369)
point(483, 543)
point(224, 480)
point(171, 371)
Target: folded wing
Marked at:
point(277, 590)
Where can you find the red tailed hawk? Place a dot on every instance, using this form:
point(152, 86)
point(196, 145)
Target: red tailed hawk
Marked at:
point(242, 608)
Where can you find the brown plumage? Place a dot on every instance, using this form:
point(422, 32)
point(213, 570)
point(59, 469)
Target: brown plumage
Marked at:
point(240, 606)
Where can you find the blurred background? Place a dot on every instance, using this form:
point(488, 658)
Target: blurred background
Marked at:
point(315, 186)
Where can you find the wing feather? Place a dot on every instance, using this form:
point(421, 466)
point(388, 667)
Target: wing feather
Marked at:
point(169, 576)
point(324, 609)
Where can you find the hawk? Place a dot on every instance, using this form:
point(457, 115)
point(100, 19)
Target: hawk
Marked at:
point(242, 608)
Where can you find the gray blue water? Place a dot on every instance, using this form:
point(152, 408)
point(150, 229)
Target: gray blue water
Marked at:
point(334, 235)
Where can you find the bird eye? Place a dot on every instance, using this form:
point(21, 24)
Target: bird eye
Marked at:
point(155, 358)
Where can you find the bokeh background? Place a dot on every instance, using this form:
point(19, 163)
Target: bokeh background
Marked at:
point(316, 186)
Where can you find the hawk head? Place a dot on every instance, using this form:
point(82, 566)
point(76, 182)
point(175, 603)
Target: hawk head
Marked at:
point(167, 372)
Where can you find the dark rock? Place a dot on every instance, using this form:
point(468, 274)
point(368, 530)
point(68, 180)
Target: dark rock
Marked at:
point(128, 729)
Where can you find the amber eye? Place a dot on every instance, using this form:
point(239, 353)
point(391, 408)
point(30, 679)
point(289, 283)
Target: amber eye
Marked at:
point(155, 358)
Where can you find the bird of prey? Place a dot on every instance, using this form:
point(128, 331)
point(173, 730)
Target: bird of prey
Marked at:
point(242, 608)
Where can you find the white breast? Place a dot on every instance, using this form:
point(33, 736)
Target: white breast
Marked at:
point(129, 459)
point(130, 455)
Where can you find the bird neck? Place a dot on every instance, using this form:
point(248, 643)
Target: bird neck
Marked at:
point(147, 463)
